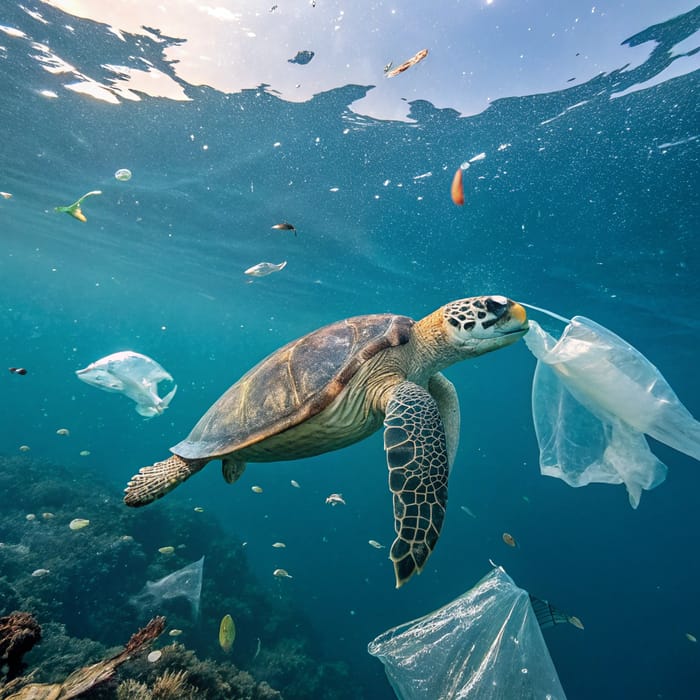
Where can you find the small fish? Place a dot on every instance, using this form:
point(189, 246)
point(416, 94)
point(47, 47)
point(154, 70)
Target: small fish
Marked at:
point(47, 516)
point(18, 370)
point(30, 516)
point(263, 269)
point(285, 226)
point(509, 539)
point(175, 632)
point(273, 8)
point(468, 511)
point(279, 545)
point(166, 550)
point(281, 573)
point(63, 431)
point(575, 621)
point(78, 523)
point(74, 209)
point(198, 509)
point(335, 498)
point(388, 66)
point(5, 195)
point(256, 489)
point(40, 572)
point(154, 656)
point(24, 448)
point(84, 453)
point(227, 633)
point(691, 637)
point(457, 189)
point(376, 544)
point(407, 64)
point(295, 484)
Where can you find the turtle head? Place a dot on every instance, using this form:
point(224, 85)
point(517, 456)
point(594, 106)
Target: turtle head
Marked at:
point(478, 325)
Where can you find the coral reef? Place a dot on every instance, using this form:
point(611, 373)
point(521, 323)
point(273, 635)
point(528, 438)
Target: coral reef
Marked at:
point(78, 584)
point(19, 632)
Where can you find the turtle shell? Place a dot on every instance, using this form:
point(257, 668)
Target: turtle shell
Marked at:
point(292, 384)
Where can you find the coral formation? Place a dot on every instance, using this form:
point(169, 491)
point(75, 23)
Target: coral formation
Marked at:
point(83, 581)
point(19, 632)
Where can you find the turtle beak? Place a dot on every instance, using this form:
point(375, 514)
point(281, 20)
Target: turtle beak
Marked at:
point(512, 318)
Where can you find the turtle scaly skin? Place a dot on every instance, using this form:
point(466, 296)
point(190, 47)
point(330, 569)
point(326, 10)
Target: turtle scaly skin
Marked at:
point(337, 385)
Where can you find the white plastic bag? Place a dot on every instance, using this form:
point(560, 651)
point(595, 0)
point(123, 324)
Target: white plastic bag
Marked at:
point(134, 375)
point(485, 645)
point(593, 397)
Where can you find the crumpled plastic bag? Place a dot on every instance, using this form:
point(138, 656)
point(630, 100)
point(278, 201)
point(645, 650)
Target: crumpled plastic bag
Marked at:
point(134, 375)
point(485, 645)
point(593, 398)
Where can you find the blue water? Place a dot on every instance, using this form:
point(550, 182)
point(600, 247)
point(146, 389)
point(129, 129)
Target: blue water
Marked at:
point(586, 203)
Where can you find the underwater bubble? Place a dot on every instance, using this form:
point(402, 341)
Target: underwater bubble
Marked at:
point(123, 175)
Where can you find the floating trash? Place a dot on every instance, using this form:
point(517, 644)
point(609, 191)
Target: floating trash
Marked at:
point(134, 375)
point(263, 269)
point(376, 545)
point(30, 516)
point(37, 573)
point(154, 656)
point(407, 64)
point(509, 539)
point(302, 58)
point(84, 453)
point(227, 633)
point(279, 545)
point(63, 431)
point(281, 573)
point(18, 370)
point(123, 174)
point(256, 489)
point(175, 632)
point(295, 484)
point(183, 583)
point(74, 209)
point(335, 498)
point(78, 523)
point(166, 550)
point(24, 448)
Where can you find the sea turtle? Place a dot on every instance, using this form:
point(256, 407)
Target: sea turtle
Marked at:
point(336, 386)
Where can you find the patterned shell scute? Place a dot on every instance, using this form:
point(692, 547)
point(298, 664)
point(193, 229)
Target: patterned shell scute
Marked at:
point(292, 384)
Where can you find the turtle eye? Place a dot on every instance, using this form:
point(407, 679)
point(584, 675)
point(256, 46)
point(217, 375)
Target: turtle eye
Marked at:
point(497, 305)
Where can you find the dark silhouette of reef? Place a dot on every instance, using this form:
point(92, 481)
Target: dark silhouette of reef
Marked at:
point(19, 632)
point(78, 584)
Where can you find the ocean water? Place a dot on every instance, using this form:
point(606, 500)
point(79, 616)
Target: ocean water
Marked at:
point(585, 202)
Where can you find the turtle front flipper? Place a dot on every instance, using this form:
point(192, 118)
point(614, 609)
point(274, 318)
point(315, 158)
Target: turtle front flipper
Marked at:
point(416, 452)
point(160, 478)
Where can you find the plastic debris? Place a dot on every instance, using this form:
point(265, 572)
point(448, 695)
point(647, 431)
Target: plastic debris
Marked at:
point(183, 583)
point(134, 375)
point(74, 209)
point(485, 645)
point(593, 398)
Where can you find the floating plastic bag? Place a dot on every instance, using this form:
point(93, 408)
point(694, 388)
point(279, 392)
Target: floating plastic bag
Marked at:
point(184, 583)
point(593, 397)
point(485, 645)
point(134, 375)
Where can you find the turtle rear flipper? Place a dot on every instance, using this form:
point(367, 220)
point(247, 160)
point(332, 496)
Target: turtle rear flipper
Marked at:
point(416, 451)
point(160, 478)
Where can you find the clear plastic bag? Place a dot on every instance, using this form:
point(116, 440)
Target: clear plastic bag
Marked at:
point(134, 375)
point(485, 645)
point(593, 398)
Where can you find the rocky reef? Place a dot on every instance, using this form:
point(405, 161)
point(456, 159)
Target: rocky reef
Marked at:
point(74, 558)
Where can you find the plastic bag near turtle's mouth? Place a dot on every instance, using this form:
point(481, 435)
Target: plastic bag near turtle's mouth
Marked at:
point(594, 396)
